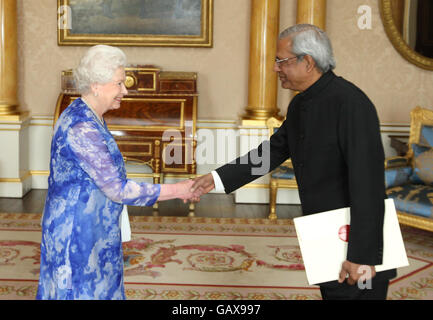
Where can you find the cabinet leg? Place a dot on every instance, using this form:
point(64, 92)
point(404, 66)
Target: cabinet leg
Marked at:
point(155, 209)
point(157, 179)
point(273, 200)
point(155, 213)
point(191, 210)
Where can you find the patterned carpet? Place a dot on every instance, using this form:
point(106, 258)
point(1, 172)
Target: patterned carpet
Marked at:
point(205, 259)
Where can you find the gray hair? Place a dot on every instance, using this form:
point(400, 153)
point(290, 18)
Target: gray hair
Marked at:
point(308, 39)
point(98, 66)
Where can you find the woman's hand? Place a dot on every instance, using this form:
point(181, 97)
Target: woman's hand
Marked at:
point(184, 191)
point(179, 190)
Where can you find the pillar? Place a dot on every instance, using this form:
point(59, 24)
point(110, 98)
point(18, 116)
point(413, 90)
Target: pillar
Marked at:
point(15, 179)
point(312, 12)
point(263, 81)
point(8, 58)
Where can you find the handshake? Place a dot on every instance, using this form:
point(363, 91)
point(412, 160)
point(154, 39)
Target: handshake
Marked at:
point(188, 190)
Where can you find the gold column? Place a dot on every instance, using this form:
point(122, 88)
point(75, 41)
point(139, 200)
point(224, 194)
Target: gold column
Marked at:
point(262, 83)
point(312, 12)
point(8, 60)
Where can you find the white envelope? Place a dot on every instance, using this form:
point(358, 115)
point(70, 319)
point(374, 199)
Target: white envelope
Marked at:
point(324, 252)
point(125, 227)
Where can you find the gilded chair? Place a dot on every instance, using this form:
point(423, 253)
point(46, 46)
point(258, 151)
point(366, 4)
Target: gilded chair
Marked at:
point(281, 177)
point(409, 179)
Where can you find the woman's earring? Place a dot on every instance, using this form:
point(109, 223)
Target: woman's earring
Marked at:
point(95, 94)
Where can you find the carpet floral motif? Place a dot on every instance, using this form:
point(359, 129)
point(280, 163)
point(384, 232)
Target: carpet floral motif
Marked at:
point(142, 256)
point(417, 290)
point(13, 252)
point(179, 294)
point(290, 254)
point(18, 291)
point(148, 258)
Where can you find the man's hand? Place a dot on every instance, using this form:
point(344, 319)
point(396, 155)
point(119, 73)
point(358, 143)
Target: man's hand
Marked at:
point(203, 184)
point(355, 271)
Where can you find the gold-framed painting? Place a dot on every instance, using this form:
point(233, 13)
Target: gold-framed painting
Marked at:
point(163, 23)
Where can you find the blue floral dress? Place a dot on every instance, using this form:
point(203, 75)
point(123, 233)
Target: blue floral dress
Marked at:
point(81, 248)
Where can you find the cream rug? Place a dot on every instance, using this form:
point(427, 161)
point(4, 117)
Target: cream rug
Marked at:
point(205, 259)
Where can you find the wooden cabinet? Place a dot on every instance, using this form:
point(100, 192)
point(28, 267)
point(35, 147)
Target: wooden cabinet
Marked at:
point(156, 123)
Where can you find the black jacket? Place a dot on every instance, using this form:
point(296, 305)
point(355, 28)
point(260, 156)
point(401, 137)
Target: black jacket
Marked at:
point(332, 135)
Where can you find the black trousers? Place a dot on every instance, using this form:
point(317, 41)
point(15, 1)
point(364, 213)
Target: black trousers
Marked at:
point(343, 291)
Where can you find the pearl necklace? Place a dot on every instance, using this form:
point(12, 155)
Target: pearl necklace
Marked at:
point(101, 120)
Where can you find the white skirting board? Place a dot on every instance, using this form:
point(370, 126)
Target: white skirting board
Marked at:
point(261, 195)
point(15, 189)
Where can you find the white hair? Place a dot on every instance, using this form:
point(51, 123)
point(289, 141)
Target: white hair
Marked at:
point(98, 66)
point(308, 39)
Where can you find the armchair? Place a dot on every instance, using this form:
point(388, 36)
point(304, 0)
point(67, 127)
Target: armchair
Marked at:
point(281, 177)
point(409, 178)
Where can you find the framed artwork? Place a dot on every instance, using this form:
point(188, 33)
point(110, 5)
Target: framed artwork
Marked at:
point(171, 23)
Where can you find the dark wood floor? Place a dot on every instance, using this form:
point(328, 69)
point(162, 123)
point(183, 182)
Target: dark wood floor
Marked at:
point(211, 205)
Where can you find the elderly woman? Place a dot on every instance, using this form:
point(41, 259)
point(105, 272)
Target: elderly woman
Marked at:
point(81, 248)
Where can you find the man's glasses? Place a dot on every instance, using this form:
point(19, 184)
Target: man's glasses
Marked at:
point(279, 62)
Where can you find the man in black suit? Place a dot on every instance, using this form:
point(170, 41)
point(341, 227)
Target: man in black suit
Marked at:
point(332, 135)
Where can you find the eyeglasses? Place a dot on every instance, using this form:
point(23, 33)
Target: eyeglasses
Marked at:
point(279, 62)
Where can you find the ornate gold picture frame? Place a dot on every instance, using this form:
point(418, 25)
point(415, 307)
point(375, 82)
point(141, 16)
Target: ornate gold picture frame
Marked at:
point(397, 40)
point(162, 23)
